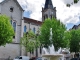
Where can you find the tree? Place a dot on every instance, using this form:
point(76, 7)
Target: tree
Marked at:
point(6, 30)
point(75, 39)
point(58, 29)
point(30, 41)
point(67, 37)
point(74, 2)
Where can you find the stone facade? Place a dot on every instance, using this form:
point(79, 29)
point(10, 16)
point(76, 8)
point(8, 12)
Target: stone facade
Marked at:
point(16, 15)
point(11, 50)
point(14, 48)
point(12, 9)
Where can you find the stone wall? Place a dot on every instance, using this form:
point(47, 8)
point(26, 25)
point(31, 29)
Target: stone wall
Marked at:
point(11, 50)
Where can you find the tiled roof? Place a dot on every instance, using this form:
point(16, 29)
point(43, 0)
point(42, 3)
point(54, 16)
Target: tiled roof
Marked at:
point(29, 20)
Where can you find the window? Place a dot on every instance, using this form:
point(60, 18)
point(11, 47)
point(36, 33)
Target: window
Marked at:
point(14, 26)
point(11, 9)
point(34, 29)
point(25, 29)
point(13, 23)
point(45, 16)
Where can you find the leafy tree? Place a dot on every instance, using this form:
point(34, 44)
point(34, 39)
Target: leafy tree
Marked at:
point(30, 41)
point(6, 30)
point(58, 29)
point(74, 2)
point(75, 39)
point(67, 37)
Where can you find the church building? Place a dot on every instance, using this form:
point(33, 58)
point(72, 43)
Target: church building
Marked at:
point(22, 24)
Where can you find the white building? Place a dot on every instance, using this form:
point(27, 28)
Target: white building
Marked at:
point(22, 24)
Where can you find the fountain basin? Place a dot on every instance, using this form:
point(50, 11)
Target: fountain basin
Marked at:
point(52, 57)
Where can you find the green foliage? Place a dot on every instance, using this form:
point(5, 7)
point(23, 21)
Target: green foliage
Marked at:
point(6, 30)
point(74, 2)
point(58, 29)
point(67, 37)
point(75, 39)
point(68, 5)
point(30, 41)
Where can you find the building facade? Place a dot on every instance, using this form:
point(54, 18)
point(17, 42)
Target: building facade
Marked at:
point(12, 9)
point(21, 24)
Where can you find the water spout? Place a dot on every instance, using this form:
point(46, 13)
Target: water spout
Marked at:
point(45, 51)
point(51, 49)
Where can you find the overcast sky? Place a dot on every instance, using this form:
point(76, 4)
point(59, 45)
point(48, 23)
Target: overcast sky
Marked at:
point(68, 15)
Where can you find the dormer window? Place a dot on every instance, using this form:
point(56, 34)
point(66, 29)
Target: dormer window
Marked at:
point(11, 9)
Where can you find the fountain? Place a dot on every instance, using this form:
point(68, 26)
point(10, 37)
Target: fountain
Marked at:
point(50, 53)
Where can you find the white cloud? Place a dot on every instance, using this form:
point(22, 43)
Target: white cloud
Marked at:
point(65, 14)
point(34, 7)
point(1, 0)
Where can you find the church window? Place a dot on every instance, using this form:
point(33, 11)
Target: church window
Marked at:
point(25, 29)
point(34, 29)
point(14, 26)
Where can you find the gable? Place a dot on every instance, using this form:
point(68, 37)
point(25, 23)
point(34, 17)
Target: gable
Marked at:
point(3, 2)
point(17, 13)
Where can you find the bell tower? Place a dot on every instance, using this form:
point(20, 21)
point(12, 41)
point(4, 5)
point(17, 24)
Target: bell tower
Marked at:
point(48, 11)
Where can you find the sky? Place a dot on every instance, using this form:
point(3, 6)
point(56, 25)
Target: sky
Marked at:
point(68, 15)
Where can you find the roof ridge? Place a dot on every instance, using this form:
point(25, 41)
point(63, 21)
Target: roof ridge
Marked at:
point(13, 0)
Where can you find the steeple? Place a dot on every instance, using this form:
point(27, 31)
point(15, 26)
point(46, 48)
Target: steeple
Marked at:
point(48, 11)
point(48, 4)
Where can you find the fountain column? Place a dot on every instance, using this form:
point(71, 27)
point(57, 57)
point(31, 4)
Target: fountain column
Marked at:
point(51, 54)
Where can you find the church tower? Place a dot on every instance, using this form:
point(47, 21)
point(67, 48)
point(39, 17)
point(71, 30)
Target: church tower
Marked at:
point(48, 11)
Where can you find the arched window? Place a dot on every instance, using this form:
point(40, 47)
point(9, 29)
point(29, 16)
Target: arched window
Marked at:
point(25, 29)
point(34, 29)
point(14, 26)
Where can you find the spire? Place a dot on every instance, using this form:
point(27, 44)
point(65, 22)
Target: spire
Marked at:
point(48, 4)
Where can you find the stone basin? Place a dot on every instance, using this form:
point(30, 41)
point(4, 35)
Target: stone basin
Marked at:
point(52, 57)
